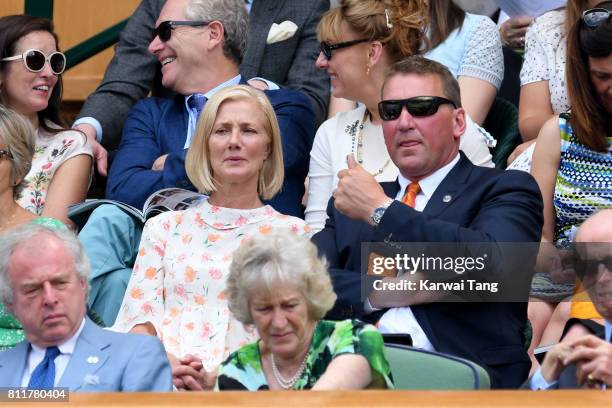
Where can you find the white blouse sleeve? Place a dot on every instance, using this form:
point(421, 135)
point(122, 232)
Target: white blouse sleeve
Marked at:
point(484, 58)
point(535, 61)
point(320, 176)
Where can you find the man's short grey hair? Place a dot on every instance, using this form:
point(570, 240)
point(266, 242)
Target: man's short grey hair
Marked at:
point(232, 14)
point(12, 240)
point(281, 259)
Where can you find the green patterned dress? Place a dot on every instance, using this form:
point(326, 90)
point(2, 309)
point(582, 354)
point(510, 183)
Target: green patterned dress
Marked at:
point(11, 332)
point(243, 370)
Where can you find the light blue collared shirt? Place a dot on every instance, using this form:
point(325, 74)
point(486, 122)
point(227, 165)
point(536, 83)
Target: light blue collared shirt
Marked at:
point(193, 119)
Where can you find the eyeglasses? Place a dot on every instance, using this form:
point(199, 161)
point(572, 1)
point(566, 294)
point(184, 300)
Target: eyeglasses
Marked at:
point(418, 106)
point(327, 48)
point(34, 60)
point(593, 18)
point(6, 154)
point(164, 29)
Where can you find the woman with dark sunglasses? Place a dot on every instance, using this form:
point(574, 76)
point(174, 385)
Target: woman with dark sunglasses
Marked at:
point(30, 84)
point(360, 40)
point(572, 163)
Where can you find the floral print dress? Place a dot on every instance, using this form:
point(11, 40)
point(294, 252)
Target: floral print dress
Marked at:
point(243, 369)
point(51, 151)
point(178, 281)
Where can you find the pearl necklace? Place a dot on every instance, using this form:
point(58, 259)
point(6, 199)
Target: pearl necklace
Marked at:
point(352, 130)
point(287, 384)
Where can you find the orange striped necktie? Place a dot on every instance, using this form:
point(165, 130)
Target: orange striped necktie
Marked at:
point(409, 197)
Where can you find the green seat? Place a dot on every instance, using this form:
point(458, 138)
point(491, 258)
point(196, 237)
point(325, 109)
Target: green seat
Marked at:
point(416, 369)
point(502, 124)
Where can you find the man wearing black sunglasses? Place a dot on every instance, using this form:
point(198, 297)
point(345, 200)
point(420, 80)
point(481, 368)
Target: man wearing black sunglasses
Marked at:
point(133, 73)
point(199, 45)
point(440, 196)
point(586, 361)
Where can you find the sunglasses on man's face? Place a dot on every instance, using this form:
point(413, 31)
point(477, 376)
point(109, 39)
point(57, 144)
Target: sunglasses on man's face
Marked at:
point(327, 48)
point(5, 154)
point(34, 60)
point(590, 267)
point(391, 109)
point(593, 18)
point(164, 29)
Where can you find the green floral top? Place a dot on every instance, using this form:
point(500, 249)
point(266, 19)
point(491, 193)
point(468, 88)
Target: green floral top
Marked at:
point(243, 369)
point(11, 332)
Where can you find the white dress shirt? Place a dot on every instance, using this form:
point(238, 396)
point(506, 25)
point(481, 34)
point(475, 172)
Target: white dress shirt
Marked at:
point(401, 319)
point(37, 354)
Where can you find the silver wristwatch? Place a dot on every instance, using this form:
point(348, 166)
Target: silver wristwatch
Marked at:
point(378, 212)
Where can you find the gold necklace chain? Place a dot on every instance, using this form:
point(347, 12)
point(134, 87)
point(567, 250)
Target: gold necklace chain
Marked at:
point(359, 150)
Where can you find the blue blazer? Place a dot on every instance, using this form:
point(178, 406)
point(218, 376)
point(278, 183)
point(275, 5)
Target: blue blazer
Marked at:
point(125, 362)
point(487, 205)
point(158, 126)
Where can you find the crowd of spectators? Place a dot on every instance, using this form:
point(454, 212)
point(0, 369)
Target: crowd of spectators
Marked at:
point(310, 129)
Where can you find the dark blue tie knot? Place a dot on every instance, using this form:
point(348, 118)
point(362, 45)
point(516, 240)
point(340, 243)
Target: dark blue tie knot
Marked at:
point(197, 102)
point(52, 352)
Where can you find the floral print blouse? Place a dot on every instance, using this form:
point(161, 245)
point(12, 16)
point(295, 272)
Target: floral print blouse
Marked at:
point(51, 151)
point(178, 281)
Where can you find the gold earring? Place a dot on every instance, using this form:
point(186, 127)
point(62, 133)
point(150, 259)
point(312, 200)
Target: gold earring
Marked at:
point(368, 67)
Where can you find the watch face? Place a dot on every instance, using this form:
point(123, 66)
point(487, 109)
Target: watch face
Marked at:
point(377, 215)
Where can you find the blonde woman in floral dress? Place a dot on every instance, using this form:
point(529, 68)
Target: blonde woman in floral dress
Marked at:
point(30, 84)
point(177, 289)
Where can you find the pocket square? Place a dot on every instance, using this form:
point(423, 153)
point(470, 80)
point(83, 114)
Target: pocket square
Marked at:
point(91, 379)
point(281, 32)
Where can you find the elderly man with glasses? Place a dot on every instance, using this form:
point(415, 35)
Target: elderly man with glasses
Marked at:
point(439, 197)
point(586, 361)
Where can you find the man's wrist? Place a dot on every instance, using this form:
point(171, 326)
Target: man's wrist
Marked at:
point(95, 127)
point(378, 212)
point(550, 371)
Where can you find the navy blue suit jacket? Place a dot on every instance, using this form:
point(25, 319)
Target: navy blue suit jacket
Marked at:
point(158, 126)
point(487, 205)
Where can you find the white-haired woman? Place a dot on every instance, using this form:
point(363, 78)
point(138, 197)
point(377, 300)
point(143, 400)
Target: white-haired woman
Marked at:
point(279, 284)
point(177, 289)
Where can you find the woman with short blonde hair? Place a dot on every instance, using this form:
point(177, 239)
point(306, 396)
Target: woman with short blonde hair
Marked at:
point(177, 289)
point(198, 164)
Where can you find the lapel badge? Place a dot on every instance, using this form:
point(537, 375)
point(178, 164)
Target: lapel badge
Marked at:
point(93, 359)
point(447, 198)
